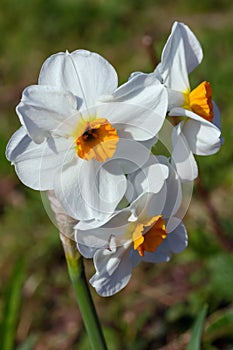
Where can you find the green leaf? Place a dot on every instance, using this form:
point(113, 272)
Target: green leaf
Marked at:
point(11, 305)
point(220, 324)
point(195, 341)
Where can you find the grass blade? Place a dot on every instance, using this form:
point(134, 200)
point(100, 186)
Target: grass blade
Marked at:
point(11, 307)
point(220, 324)
point(195, 341)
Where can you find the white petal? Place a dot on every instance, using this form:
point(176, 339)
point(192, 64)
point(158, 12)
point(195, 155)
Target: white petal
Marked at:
point(182, 156)
point(203, 138)
point(150, 178)
point(86, 251)
point(128, 157)
point(174, 190)
point(85, 74)
point(179, 193)
point(44, 109)
point(90, 224)
point(178, 239)
point(98, 237)
point(161, 254)
point(193, 50)
point(138, 109)
point(150, 143)
point(36, 164)
point(149, 204)
point(181, 54)
point(143, 90)
point(134, 74)
point(182, 112)
point(175, 99)
point(87, 191)
point(114, 271)
point(18, 141)
point(216, 119)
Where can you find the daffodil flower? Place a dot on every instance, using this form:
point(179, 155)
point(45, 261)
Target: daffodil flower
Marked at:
point(80, 133)
point(147, 230)
point(200, 129)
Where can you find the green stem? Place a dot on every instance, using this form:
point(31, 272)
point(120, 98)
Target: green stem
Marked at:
point(77, 275)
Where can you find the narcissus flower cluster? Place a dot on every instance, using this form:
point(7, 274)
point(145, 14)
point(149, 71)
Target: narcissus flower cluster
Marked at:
point(95, 144)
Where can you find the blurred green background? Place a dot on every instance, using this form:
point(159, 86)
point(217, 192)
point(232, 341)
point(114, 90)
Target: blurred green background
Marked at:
point(157, 309)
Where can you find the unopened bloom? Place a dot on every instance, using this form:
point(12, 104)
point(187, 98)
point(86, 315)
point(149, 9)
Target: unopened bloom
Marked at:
point(147, 230)
point(78, 145)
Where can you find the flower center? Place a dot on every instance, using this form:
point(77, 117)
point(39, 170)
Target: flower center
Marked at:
point(150, 240)
point(199, 101)
point(98, 140)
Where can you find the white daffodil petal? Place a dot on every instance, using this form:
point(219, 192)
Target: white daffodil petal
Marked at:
point(182, 112)
point(182, 156)
point(88, 242)
point(114, 271)
point(43, 109)
point(144, 90)
point(149, 204)
point(87, 191)
point(134, 74)
point(175, 242)
point(141, 116)
point(129, 156)
point(178, 239)
point(86, 251)
point(150, 178)
point(134, 257)
point(99, 237)
point(134, 88)
point(193, 50)
point(181, 54)
point(161, 254)
point(174, 190)
point(216, 119)
point(86, 74)
point(90, 224)
point(17, 143)
point(203, 139)
point(150, 143)
point(36, 164)
point(175, 98)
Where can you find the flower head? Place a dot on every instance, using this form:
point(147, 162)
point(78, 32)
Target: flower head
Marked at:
point(181, 54)
point(81, 134)
point(146, 230)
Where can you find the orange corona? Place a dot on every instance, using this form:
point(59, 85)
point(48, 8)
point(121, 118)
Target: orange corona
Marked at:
point(199, 101)
point(98, 140)
point(151, 239)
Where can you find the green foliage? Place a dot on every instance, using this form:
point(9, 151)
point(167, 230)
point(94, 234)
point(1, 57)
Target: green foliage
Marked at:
point(195, 342)
point(11, 306)
point(219, 325)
